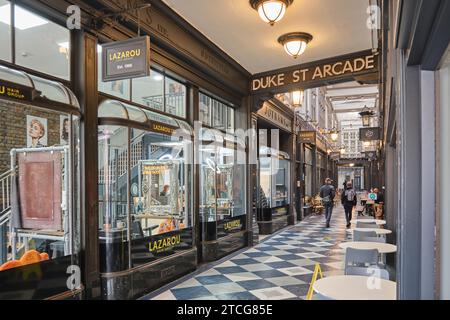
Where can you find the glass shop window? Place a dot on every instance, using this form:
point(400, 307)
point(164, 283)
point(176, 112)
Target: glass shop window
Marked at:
point(5, 30)
point(222, 176)
point(214, 113)
point(145, 192)
point(41, 44)
point(119, 88)
point(205, 110)
point(149, 91)
point(39, 181)
point(175, 98)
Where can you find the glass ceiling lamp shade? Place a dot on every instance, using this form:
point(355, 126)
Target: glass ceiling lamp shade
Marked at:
point(297, 98)
point(271, 11)
point(295, 43)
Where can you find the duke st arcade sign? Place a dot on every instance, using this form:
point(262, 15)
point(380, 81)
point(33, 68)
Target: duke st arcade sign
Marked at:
point(314, 74)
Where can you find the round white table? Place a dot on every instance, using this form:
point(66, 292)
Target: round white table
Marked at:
point(356, 288)
point(379, 232)
point(378, 222)
point(382, 248)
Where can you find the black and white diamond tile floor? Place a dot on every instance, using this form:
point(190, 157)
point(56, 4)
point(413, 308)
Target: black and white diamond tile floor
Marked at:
point(279, 268)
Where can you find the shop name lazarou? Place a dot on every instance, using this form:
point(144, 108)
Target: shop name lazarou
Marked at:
point(124, 55)
point(164, 243)
point(316, 73)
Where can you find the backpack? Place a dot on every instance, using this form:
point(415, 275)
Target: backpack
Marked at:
point(350, 194)
point(327, 199)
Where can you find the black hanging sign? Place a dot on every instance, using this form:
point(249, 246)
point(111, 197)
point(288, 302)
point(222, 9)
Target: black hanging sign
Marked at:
point(308, 137)
point(369, 134)
point(370, 155)
point(126, 59)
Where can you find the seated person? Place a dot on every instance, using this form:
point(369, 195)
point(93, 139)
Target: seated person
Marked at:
point(166, 191)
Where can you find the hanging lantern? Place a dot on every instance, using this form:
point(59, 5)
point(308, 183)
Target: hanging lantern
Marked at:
point(271, 11)
point(366, 114)
point(298, 98)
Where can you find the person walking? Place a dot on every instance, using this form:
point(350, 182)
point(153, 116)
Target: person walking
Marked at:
point(348, 199)
point(327, 193)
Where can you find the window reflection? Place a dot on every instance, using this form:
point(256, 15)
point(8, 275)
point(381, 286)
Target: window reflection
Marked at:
point(41, 44)
point(5, 30)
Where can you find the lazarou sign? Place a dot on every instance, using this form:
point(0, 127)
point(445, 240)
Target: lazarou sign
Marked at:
point(343, 68)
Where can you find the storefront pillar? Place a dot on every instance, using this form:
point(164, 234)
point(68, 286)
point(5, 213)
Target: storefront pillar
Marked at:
point(85, 84)
point(315, 183)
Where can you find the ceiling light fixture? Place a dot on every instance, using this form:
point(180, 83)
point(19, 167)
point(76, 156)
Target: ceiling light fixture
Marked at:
point(298, 98)
point(295, 43)
point(271, 11)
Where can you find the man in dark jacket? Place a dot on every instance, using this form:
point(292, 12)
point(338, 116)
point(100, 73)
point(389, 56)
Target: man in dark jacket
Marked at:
point(327, 193)
point(349, 200)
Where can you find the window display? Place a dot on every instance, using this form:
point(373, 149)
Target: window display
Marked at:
point(274, 177)
point(144, 186)
point(39, 177)
point(222, 197)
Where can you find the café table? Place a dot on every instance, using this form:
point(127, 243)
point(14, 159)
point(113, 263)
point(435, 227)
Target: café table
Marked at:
point(379, 232)
point(378, 222)
point(383, 248)
point(356, 288)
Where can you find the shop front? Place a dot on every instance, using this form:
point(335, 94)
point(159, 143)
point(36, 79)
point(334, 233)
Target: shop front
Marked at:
point(275, 208)
point(40, 188)
point(146, 226)
point(222, 162)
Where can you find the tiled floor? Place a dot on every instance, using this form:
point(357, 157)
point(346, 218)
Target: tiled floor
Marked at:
point(281, 267)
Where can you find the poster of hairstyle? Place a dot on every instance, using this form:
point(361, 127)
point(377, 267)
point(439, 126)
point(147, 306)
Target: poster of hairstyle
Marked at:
point(37, 132)
point(64, 129)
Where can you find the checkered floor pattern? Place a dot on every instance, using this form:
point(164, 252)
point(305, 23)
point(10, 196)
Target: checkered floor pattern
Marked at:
point(279, 268)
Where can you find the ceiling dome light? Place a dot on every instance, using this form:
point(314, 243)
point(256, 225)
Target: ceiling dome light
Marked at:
point(295, 43)
point(271, 11)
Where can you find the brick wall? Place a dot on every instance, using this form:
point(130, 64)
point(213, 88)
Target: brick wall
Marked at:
point(13, 129)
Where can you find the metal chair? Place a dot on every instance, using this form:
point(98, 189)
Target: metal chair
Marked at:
point(360, 235)
point(320, 297)
point(374, 239)
point(366, 225)
point(368, 272)
point(360, 258)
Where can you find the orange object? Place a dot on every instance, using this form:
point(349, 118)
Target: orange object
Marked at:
point(30, 257)
point(10, 265)
point(44, 256)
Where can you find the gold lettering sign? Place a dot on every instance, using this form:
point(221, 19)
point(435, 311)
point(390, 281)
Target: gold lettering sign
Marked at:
point(161, 128)
point(280, 81)
point(13, 91)
point(307, 137)
point(164, 244)
point(148, 170)
point(124, 55)
point(269, 113)
point(233, 225)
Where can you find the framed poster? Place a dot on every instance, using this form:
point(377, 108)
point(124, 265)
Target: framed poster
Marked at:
point(64, 129)
point(37, 132)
